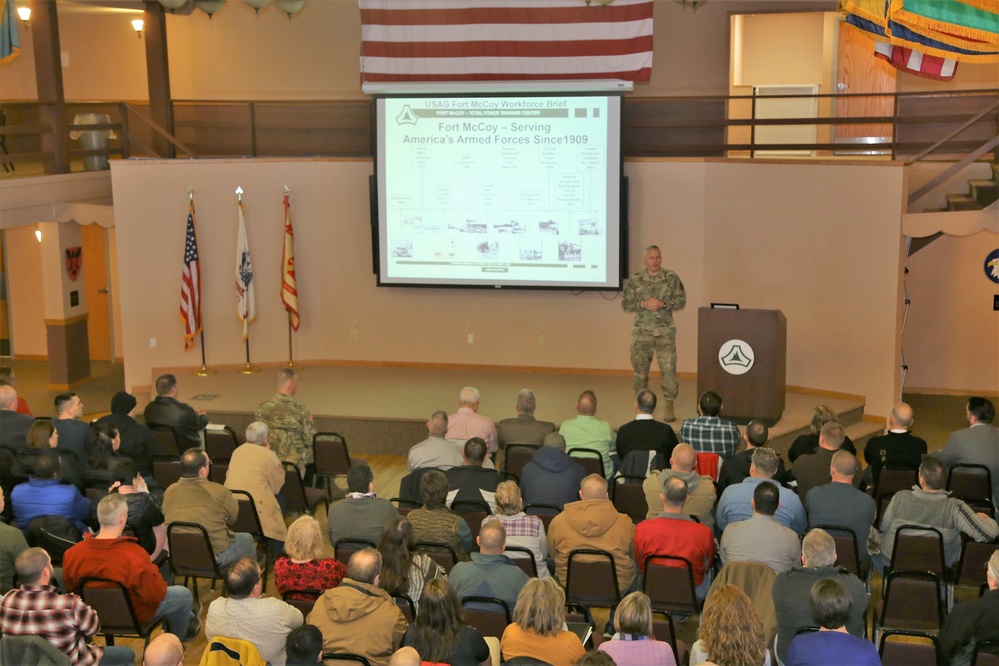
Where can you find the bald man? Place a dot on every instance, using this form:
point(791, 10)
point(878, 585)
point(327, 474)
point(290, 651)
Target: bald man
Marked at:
point(897, 447)
point(839, 503)
point(164, 650)
point(700, 489)
point(490, 573)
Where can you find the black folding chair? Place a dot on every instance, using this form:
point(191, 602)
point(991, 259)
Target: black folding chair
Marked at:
point(115, 610)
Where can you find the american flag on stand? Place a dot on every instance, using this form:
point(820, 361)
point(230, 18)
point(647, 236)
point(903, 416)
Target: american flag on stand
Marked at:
point(505, 40)
point(190, 285)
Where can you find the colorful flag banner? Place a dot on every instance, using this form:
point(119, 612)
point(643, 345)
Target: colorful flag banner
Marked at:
point(915, 62)
point(190, 285)
point(245, 303)
point(289, 286)
point(10, 42)
point(504, 40)
point(957, 20)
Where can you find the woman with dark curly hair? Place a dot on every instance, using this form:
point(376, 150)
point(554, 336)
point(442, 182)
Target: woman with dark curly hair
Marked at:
point(731, 632)
point(403, 570)
point(440, 634)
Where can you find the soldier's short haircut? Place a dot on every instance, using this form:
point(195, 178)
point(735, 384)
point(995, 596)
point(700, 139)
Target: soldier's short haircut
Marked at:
point(765, 461)
point(982, 409)
point(648, 248)
point(256, 432)
point(359, 477)
point(555, 440)
point(834, 434)
point(766, 498)
point(284, 376)
point(47, 466)
point(437, 423)
point(110, 510)
point(830, 603)
point(710, 403)
point(933, 472)
point(30, 564)
point(468, 396)
point(646, 401)
point(192, 462)
point(526, 402)
point(475, 451)
point(587, 403)
point(757, 432)
point(818, 549)
point(433, 489)
point(844, 463)
point(364, 565)
point(165, 384)
point(62, 400)
point(675, 491)
point(242, 577)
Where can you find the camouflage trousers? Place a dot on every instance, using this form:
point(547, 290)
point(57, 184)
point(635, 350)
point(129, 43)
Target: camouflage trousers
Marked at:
point(643, 346)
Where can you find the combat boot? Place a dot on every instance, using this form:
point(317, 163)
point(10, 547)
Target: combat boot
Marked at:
point(668, 414)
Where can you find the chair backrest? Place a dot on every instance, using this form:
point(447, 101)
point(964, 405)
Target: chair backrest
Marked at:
point(441, 553)
point(974, 559)
point(247, 520)
point(217, 471)
point(669, 582)
point(293, 489)
point(409, 486)
point(95, 495)
point(297, 598)
point(893, 479)
point(330, 454)
point(663, 630)
point(167, 441)
point(591, 460)
point(344, 548)
point(986, 653)
point(591, 578)
point(917, 648)
point(518, 455)
point(847, 553)
point(971, 483)
point(219, 444)
point(523, 558)
point(708, 464)
point(344, 656)
point(629, 497)
point(404, 506)
point(56, 534)
point(166, 472)
point(406, 605)
point(638, 463)
point(546, 512)
point(487, 614)
point(191, 552)
point(473, 512)
point(113, 606)
point(30, 649)
point(912, 601)
point(919, 548)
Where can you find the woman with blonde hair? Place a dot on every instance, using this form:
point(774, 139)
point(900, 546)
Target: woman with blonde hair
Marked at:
point(522, 530)
point(303, 569)
point(633, 642)
point(807, 443)
point(439, 632)
point(731, 632)
point(404, 571)
point(538, 629)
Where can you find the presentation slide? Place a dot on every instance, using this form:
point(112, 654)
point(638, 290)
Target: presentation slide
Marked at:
point(499, 191)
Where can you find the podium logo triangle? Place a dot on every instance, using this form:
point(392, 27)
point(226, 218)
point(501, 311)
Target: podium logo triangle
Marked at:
point(736, 357)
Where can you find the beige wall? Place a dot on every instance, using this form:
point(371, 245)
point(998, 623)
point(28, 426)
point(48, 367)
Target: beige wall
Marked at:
point(26, 291)
point(733, 231)
point(951, 337)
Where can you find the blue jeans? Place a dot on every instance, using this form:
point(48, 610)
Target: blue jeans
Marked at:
point(242, 546)
point(701, 591)
point(118, 655)
point(176, 608)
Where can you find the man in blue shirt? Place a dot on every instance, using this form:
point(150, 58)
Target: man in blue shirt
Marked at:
point(735, 503)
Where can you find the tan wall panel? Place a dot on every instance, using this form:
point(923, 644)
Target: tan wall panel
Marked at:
point(27, 292)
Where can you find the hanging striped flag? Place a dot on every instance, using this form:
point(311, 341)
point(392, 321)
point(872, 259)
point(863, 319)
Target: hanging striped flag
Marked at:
point(289, 287)
point(190, 285)
point(505, 40)
point(245, 303)
point(915, 62)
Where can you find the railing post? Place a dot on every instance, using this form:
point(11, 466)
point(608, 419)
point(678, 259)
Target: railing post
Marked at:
point(126, 151)
point(752, 127)
point(253, 129)
point(48, 77)
point(158, 75)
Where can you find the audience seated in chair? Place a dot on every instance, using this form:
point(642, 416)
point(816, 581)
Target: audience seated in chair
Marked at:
point(404, 571)
point(730, 630)
point(633, 642)
point(137, 441)
point(435, 522)
point(303, 567)
point(811, 470)
point(709, 433)
point(166, 411)
point(972, 621)
point(832, 609)
point(700, 488)
point(245, 614)
point(821, 415)
point(490, 573)
point(44, 495)
point(74, 435)
point(840, 503)
point(105, 455)
point(761, 538)
point(164, 650)
point(470, 481)
point(735, 503)
point(145, 515)
point(737, 467)
point(439, 633)
point(978, 444)
point(538, 628)
point(586, 431)
point(12, 544)
point(304, 646)
point(524, 429)
point(553, 476)
point(13, 423)
point(436, 450)
point(467, 422)
point(644, 433)
point(898, 447)
point(255, 468)
point(43, 438)
point(521, 530)
point(361, 514)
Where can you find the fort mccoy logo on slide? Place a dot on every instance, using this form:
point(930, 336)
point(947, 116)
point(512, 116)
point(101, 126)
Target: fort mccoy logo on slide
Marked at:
point(406, 116)
point(736, 357)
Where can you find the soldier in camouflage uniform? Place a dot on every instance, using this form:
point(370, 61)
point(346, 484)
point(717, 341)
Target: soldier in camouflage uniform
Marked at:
point(290, 423)
point(653, 294)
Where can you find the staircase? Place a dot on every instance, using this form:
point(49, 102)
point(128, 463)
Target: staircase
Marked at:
point(850, 417)
point(981, 193)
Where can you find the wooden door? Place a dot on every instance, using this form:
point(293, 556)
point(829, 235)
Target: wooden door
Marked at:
point(95, 275)
point(859, 71)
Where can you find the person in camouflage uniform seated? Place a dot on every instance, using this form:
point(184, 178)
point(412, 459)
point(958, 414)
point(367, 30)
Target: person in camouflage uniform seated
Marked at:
point(652, 295)
point(290, 423)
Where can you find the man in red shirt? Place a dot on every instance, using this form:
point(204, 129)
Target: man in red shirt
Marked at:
point(676, 533)
point(111, 556)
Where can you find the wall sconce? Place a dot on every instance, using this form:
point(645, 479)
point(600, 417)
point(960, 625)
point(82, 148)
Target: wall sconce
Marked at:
point(139, 26)
point(24, 13)
point(38, 235)
point(691, 3)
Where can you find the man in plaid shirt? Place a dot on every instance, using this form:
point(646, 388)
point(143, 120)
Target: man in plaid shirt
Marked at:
point(37, 609)
point(708, 433)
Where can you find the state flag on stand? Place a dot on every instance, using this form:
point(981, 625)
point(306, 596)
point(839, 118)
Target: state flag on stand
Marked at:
point(190, 285)
point(245, 303)
point(289, 287)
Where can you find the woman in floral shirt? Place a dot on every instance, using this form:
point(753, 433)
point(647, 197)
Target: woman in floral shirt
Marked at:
point(302, 570)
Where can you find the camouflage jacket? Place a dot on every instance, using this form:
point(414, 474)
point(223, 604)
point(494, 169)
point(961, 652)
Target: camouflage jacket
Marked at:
point(667, 287)
point(291, 428)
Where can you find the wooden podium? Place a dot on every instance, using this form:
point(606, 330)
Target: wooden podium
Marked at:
point(742, 356)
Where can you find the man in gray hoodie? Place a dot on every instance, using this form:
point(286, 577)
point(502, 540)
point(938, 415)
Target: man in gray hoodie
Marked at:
point(700, 489)
point(552, 476)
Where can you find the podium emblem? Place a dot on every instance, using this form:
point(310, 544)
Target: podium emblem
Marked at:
point(736, 357)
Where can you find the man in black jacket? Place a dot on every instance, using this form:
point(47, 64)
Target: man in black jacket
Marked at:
point(972, 621)
point(472, 482)
point(645, 434)
point(137, 441)
point(166, 411)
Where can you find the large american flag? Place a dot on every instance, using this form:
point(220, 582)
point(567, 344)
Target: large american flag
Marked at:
point(512, 40)
point(190, 285)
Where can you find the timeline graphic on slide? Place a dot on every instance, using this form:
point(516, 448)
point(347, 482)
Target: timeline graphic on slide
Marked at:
point(496, 188)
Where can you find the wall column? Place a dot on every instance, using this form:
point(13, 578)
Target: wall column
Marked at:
point(65, 306)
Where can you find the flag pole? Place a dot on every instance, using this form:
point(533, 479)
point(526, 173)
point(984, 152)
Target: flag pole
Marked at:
point(204, 371)
point(291, 356)
point(248, 369)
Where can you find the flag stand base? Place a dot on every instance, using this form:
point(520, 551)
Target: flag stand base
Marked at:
point(248, 369)
point(204, 371)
